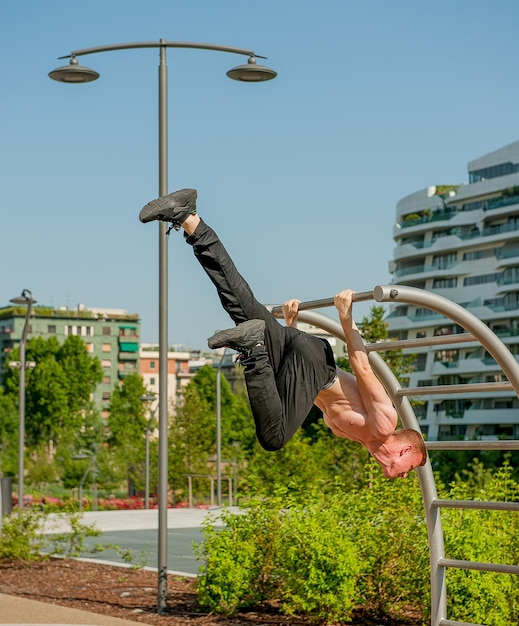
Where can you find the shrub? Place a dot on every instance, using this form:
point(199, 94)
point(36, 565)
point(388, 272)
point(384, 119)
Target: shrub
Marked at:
point(19, 539)
point(323, 551)
point(486, 536)
point(236, 559)
point(317, 563)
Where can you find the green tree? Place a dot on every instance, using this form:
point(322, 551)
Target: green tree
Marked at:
point(193, 430)
point(60, 416)
point(58, 394)
point(8, 434)
point(127, 427)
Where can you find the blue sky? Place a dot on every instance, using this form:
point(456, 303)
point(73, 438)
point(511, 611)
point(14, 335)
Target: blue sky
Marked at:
point(300, 176)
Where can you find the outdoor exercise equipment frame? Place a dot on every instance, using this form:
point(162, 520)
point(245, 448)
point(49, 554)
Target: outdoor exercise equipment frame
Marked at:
point(476, 331)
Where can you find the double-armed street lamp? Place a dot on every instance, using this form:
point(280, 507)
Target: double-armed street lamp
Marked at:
point(27, 300)
point(74, 73)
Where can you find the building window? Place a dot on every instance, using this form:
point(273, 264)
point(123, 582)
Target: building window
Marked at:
point(446, 356)
point(89, 347)
point(106, 395)
point(475, 255)
point(51, 329)
point(106, 330)
point(152, 381)
point(481, 280)
point(444, 283)
point(106, 363)
point(106, 347)
point(128, 332)
point(107, 380)
point(152, 365)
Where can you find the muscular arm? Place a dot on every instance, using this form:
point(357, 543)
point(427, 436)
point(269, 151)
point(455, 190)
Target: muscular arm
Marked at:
point(381, 417)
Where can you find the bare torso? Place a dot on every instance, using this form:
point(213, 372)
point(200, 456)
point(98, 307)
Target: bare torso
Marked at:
point(345, 413)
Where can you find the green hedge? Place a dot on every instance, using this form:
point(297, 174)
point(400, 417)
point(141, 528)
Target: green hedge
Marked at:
point(329, 553)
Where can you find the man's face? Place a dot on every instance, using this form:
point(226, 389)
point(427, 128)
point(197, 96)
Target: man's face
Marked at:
point(401, 465)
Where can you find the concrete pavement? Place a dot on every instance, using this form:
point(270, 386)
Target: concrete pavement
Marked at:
point(140, 519)
point(15, 610)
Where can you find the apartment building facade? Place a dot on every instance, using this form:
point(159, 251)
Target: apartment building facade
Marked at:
point(462, 242)
point(179, 373)
point(111, 335)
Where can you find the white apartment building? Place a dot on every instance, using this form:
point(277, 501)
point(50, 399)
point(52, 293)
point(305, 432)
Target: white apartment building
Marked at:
point(462, 242)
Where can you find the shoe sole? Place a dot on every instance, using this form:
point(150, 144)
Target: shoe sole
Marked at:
point(242, 337)
point(161, 209)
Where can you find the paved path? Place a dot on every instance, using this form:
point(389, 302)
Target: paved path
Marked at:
point(135, 535)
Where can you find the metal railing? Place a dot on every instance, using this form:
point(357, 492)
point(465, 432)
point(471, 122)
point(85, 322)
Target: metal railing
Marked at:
point(476, 330)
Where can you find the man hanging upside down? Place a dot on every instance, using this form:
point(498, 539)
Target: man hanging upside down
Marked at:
point(287, 370)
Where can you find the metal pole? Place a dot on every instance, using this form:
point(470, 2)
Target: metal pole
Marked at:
point(147, 472)
point(219, 431)
point(21, 422)
point(162, 556)
point(94, 485)
point(147, 462)
point(21, 406)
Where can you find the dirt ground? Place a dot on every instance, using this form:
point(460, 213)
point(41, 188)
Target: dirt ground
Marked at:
point(129, 594)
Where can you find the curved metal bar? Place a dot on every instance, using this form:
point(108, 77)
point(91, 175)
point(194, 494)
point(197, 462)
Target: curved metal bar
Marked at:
point(455, 312)
point(478, 332)
point(425, 473)
point(162, 44)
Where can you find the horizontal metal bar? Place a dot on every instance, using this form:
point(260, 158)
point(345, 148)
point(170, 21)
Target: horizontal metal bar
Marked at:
point(400, 344)
point(479, 566)
point(361, 296)
point(475, 505)
point(450, 622)
point(431, 390)
point(501, 444)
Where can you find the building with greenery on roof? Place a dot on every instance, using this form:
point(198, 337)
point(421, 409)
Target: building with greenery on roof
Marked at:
point(111, 335)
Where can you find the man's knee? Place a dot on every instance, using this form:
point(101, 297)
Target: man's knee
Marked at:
point(271, 443)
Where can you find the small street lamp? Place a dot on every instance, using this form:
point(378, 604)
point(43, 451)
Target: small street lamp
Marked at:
point(148, 398)
point(92, 466)
point(27, 300)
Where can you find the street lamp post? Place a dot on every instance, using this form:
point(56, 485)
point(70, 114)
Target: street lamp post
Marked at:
point(219, 431)
point(92, 466)
point(27, 300)
point(75, 73)
point(148, 398)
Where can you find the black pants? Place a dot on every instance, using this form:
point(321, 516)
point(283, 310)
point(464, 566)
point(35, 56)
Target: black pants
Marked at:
point(285, 375)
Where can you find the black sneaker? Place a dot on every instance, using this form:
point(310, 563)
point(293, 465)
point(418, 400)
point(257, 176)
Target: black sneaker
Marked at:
point(173, 208)
point(240, 338)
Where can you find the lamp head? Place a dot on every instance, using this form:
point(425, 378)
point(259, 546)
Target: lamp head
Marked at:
point(74, 73)
point(25, 298)
point(80, 457)
point(251, 72)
